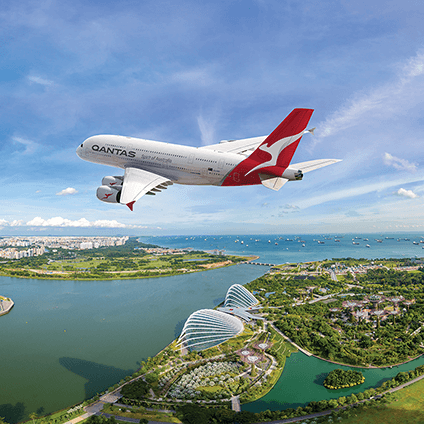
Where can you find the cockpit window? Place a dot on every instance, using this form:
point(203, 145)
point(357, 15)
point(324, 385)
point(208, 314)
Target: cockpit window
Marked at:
point(82, 144)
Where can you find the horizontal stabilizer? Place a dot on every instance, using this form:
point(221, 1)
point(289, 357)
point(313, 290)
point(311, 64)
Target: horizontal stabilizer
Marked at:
point(313, 164)
point(274, 183)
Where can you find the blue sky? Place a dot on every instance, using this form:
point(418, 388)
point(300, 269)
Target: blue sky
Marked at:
point(195, 73)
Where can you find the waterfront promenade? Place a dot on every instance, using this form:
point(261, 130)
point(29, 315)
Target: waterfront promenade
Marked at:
point(95, 409)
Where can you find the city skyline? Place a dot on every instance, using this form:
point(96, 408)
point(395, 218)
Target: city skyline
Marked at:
point(196, 74)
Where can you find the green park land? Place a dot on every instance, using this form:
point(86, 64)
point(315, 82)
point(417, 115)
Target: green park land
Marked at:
point(133, 260)
point(304, 303)
point(353, 312)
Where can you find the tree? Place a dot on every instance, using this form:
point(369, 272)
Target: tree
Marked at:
point(341, 400)
point(332, 403)
point(144, 421)
point(33, 416)
point(2, 421)
point(193, 414)
point(365, 342)
point(245, 417)
point(352, 399)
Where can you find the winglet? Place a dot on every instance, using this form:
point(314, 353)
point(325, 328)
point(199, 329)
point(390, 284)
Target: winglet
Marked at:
point(131, 205)
point(311, 131)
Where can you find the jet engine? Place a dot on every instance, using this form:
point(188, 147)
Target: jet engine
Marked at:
point(292, 174)
point(113, 181)
point(109, 194)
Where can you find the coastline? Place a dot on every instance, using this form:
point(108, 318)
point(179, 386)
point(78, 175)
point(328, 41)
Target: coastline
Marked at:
point(307, 353)
point(60, 277)
point(370, 366)
point(66, 277)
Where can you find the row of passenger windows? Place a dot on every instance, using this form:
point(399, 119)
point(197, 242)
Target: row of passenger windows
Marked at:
point(207, 160)
point(161, 153)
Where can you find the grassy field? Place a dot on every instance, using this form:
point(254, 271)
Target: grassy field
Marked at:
point(56, 418)
point(407, 407)
point(139, 413)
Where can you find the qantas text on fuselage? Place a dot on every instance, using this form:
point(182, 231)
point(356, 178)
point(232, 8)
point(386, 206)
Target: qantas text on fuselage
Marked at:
point(151, 166)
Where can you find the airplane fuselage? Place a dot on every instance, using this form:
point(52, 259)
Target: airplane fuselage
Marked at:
point(151, 166)
point(180, 164)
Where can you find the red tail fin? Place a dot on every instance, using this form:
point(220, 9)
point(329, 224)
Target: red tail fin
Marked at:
point(273, 156)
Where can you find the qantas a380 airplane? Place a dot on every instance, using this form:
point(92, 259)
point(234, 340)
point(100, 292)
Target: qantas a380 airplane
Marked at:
point(151, 166)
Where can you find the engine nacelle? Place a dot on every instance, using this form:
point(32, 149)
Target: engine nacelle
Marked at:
point(292, 174)
point(109, 194)
point(112, 181)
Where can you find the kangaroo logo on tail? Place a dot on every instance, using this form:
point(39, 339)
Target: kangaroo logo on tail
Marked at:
point(273, 156)
point(275, 150)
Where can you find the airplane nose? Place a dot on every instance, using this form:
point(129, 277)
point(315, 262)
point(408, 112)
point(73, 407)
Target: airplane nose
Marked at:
point(79, 150)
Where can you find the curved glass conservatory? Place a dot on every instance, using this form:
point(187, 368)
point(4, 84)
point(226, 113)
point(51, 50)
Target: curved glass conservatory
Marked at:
point(206, 328)
point(239, 297)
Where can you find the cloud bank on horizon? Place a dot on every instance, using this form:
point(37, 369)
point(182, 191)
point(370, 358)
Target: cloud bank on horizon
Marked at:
point(195, 74)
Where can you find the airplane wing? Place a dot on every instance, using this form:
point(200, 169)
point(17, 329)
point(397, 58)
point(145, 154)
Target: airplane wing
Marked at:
point(138, 183)
point(313, 164)
point(243, 147)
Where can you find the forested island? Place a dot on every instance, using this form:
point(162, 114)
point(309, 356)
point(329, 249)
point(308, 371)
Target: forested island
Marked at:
point(340, 379)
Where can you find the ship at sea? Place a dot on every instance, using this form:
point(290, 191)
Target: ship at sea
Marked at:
point(303, 247)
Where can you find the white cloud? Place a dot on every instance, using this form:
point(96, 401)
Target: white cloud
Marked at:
point(381, 103)
point(17, 223)
point(355, 191)
point(406, 193)
point(207, 130)
point(30, 146)
point(67, 191)
point(80, 223)
point(288, 206)
point(399, 164)
point(39, 80)
point(14, 223)
point(58, 221)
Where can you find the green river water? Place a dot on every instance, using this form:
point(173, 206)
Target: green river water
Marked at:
point(302, 378)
